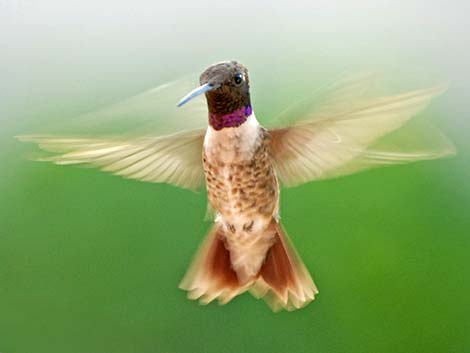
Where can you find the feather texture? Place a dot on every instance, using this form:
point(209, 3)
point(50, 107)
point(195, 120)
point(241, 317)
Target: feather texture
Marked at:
point(326, 146)
point(174, 159)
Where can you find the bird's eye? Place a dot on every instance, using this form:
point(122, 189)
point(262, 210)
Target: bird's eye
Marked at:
point(238, 78)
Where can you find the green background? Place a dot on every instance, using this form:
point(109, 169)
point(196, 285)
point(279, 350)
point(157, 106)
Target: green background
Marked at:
point(90, 262)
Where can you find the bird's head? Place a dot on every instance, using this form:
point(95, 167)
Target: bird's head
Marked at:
point(227, 89)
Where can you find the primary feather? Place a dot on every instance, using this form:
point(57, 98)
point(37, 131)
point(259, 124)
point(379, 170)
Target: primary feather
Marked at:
point(324, 146)
point(173, 159)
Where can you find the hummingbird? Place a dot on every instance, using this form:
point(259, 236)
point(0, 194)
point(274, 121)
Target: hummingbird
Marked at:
point(243, 165)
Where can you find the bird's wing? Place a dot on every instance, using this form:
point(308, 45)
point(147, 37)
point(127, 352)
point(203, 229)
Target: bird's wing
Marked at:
point(174, 159)
point(139, 137)
point(152, 111)
point(345, 134)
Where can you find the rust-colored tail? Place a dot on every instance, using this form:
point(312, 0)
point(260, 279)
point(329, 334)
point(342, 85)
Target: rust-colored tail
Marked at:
point(283, 281)
point(210, 275)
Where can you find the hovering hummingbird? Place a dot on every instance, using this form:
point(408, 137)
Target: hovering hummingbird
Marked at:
point(242, 165)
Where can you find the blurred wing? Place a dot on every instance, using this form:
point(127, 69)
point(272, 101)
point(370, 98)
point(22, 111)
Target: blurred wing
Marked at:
point(174, 159)
point(152, 111)
point(343, 136)
point(337, 96)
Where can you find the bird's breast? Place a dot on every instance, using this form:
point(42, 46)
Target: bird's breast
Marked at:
point(240, 180)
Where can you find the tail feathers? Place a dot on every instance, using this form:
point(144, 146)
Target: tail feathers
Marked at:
point(211, 276)
point(283, 281)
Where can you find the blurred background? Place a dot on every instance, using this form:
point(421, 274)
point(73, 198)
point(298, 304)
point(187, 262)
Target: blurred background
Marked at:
point(90, 262)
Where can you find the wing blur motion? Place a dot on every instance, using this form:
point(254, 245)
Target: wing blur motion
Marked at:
point(138, 138)
point(153, 111)
point(344, 136)
point(173, 159)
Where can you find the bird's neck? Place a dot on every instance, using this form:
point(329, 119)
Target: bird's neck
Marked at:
point(233, 145)
point(233, 119)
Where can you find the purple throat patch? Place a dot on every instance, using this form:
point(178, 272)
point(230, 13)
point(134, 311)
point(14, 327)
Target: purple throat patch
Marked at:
point(234, 119)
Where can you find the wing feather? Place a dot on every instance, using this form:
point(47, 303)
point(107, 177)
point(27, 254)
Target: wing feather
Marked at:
point(173, 159)
point(338, 140)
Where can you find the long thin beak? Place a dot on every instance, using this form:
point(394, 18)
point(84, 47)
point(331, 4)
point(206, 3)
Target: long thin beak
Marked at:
point(196, 92)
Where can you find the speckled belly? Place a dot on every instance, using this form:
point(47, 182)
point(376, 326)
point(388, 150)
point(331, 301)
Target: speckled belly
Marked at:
point(245, 195)
point(242, 191)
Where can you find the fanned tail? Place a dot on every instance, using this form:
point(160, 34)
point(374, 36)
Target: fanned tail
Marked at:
point(210, 276)
point(283, 280)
